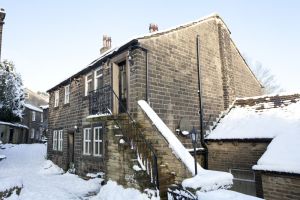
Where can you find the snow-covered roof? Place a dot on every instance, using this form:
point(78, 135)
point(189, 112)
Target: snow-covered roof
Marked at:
point(206, 179)
point(44, 107)
point(32, 107)
point(259, 118)
point(282, 154)
point(13, 124)
point(121, 46)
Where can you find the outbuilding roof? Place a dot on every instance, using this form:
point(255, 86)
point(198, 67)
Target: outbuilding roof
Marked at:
point(259, 118)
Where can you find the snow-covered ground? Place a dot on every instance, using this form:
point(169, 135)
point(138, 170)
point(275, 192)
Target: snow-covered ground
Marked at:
point(25, 166)
point(41, 179)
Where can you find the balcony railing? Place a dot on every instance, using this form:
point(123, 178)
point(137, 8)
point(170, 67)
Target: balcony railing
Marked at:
point(100, 101)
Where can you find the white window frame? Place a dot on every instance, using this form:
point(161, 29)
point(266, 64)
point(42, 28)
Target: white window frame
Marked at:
point(54, 140)
point(67, 94)
point(42, 117)
point(97, 132)
point(87, 82)
point(56, 98)
point(33, 115)
point(87, 141)
point(96, 77)
point(32, 133)
point(60, 140)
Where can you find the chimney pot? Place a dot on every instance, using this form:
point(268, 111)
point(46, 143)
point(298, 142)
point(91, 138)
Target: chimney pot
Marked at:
point(106, 44)
point(153, 28)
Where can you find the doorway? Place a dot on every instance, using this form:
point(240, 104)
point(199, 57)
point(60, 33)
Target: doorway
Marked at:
point(71, 150)
point(122, 87)
point(11, 135)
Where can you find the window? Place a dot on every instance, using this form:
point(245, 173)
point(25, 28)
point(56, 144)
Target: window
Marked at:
point(88, 83)
point(56, 98)
point(54, 140)
point(33, 116)
point(98, 141)
point(60, 140)
point(67, 94)
point(98, 83)
point(87, 141)
point(42, 117)
point(32, 133)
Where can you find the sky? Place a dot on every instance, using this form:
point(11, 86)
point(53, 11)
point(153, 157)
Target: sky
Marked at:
point(51, 40)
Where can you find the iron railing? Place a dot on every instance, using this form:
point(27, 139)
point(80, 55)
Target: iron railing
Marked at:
point(177, 192)
point(103, 101)
point(100, 101)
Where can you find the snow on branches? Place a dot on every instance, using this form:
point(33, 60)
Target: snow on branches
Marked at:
point(11, 93)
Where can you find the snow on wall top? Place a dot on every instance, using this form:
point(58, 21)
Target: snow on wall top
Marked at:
point(282, 154)
point(44, 107)
point(260, 117)
point(31, 107)
point(13, 124)
point(206, 179)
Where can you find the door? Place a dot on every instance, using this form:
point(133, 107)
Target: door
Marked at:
point(122, 87)
point(71, 149)
point(11, 135)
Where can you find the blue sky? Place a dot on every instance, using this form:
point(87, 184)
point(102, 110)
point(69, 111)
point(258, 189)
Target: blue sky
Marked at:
point(50, 40)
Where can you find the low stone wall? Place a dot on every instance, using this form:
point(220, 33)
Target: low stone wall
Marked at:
point(280, 186)
point(238, 157)
point(171, 169)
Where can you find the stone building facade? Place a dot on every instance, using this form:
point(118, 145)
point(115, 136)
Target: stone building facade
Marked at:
point(237, 156)
point(161, 68)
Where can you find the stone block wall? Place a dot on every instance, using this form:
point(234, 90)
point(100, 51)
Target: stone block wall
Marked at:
point(173, 78)
point(280, 186)
point(240, 155)
point(171, 169)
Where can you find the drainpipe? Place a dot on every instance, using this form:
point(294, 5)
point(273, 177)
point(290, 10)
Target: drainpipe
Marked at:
point(203, 144)
point(147, 68)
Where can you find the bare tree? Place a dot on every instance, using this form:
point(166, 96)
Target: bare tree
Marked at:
point(265, 77)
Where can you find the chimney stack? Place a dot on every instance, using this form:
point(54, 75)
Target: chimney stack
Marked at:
point(2, 17)
point(153, 28)
point(106, 44)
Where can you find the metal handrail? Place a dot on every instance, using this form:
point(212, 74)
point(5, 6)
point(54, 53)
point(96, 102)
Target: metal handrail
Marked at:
point(138, 132)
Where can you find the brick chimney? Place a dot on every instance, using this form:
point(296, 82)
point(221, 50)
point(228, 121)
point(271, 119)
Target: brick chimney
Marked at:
point(2, 17)
point(106, 44)
point(153, 28)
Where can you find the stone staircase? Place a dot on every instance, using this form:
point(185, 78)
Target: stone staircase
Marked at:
point(127, 148)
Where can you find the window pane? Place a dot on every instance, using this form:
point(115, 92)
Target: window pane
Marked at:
point(96, 148)
point(101, 148)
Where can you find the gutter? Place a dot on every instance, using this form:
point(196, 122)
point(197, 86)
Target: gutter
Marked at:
point(203, 144)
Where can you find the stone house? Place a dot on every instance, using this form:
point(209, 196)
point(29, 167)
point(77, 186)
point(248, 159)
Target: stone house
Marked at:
point(12, 132)
point(33, 119)
point(255, 141)
point(96, 124)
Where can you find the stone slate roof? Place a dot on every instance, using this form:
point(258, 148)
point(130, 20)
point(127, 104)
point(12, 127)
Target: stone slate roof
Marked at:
point(259, 118)
point(116, 50)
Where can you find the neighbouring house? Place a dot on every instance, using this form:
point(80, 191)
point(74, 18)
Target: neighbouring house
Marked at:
point(33, 119)
point(33, 125)
point(12, 132)
point(262, 132)
point(45, 109)
point(35, 116)
point(95, 120)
